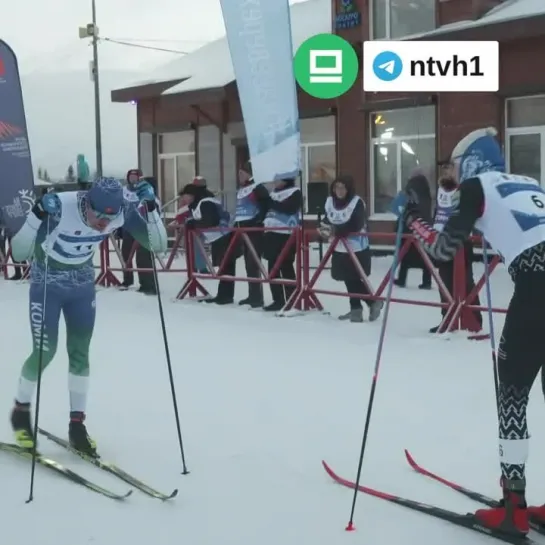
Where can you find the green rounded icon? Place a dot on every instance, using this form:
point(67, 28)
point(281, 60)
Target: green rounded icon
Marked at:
point(326, 66)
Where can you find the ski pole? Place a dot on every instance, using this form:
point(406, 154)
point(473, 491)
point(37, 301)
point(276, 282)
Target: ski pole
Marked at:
point(491, 323)
point(350, 526)
point(167, 353)
point(40, 372)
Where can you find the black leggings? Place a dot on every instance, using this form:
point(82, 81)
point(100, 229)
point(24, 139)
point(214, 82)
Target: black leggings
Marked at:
point(356, 285)
point(521, 354)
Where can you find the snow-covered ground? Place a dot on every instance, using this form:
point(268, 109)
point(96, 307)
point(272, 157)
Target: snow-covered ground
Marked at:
point(262, 401)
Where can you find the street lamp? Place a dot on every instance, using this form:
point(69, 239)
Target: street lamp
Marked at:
point(91, 31)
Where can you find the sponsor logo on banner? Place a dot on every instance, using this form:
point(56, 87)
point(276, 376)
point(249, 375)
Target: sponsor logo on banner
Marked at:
point(16, 173)
point(260, 43)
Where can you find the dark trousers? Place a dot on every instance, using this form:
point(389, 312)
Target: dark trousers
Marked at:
point(226, 288)
point(446, 273)
point(404, 270)
point(520, 357)
point(144, 260)
point(281, 293)
point(274, 244)
point(255, 290)
point(126, 246)
point(355, 285)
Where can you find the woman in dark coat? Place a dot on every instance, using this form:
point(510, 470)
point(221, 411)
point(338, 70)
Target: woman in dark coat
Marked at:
point(346, 217)
point(412, 259)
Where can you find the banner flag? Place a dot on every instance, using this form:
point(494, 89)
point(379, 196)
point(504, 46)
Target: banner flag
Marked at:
point(16, 174)
point(260, 43)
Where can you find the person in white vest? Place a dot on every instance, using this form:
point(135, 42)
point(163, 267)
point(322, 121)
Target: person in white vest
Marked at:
point(345, 217)
point(509, 210)
point(208, 212)
point(61, 235)
point(252, 199)
point(284, 206)
point(446, 194)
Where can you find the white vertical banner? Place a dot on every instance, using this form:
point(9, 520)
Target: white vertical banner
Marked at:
point(260, 43)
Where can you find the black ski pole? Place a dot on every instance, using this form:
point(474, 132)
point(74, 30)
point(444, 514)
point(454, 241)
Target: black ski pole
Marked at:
point(39, 383)
point(491, 323)
point(350, 526)
point(167, 355)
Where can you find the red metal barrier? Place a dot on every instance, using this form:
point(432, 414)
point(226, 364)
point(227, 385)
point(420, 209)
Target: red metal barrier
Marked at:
point(459, 305)
point(240, 236)
point(310, 290)
point(7, 262)
point(107, 276)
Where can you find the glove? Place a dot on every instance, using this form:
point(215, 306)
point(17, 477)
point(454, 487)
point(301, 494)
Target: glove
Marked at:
point(325, 230)
point(144, 191)
point(48, 205)
point(146, 194)
point(190, 224)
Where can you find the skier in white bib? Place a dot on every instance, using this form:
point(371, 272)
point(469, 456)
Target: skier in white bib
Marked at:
point(509, 210)
point(60, 236)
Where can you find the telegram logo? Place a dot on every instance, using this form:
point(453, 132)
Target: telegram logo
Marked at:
point(387, 66)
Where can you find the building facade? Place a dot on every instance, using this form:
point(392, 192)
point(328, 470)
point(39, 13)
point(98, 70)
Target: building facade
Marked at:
point(379, 138)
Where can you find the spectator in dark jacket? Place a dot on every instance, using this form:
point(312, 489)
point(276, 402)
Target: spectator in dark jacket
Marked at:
point(413, 259)
point(252, 206)
point(127, 240)
point(346, 218)
point(207, 212)
point(144, 257)
point(284, 206)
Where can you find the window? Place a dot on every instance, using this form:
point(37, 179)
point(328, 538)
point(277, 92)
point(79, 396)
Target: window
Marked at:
point(402, 141)
point(318, 152)
point(525, 136)
point(176, 166)
point(393, 19)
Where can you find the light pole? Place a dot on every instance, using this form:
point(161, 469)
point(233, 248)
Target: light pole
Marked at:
point(91, 31)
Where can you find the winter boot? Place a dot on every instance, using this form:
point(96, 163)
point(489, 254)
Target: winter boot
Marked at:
point(375, 310)
point(537, 515)
point(355, 316)
point(78, 436)
point(22, 425)
point(511, 516)
point(275, 306)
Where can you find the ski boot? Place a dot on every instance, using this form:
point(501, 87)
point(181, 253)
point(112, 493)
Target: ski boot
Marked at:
point(511, 516)
point(78, 437)
point(537, 515)
point(22, 425)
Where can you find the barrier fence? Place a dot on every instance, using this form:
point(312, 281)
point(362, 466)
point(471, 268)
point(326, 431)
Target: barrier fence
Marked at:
point(458, 306)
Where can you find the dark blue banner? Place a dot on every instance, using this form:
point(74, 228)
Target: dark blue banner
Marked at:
point(16, 174)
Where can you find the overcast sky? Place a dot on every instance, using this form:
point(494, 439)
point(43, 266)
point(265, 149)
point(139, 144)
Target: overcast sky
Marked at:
point(44, 34)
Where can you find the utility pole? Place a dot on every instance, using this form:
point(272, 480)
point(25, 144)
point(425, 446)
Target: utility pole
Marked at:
point(91, 31)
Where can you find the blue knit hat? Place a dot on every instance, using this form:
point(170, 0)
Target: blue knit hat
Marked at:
point(106, 196)
point(478, 152)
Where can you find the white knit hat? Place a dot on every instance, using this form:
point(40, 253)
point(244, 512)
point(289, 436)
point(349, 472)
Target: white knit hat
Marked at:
point(466, 141)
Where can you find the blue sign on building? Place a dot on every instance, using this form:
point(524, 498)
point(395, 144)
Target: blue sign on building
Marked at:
point(348, 17)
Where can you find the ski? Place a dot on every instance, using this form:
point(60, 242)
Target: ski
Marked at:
point(111, 468)
point(471, 494)
point(64, 471)
point(465, 521)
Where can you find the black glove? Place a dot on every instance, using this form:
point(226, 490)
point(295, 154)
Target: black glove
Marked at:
point(190, 224)
point(49, 204)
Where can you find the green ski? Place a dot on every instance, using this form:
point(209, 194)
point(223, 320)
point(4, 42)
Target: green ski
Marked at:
point(111, 468)
point(62, 470)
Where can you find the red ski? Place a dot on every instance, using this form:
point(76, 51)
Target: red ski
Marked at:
point(471, 494)
point(465, 521)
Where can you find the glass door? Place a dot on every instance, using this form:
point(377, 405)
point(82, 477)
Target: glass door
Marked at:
point(525, 154)
point(167, 184)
